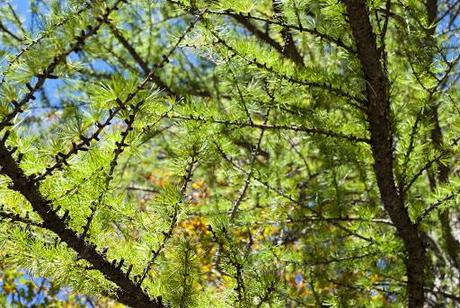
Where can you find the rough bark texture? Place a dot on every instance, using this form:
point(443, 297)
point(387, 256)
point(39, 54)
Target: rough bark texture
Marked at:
point(129, 293)
point(378, 114)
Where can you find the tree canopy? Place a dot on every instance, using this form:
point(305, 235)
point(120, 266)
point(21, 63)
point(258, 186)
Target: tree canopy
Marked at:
point(233, 153)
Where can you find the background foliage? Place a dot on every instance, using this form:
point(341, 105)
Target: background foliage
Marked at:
point(196, 153)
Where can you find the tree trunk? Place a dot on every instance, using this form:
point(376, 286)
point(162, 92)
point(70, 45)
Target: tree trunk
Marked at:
point(378, 114)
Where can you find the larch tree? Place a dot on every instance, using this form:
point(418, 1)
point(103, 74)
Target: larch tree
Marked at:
point(233, 153)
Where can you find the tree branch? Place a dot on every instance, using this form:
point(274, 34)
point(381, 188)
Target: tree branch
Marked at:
point(378, 114)
point(128, 293)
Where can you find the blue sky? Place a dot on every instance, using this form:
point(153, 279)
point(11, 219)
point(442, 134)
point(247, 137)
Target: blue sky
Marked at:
point(22, 7)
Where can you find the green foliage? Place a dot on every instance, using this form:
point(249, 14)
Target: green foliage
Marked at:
point(218, 153)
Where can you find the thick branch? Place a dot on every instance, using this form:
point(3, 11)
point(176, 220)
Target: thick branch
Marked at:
point(378, 113)
point(128, 293)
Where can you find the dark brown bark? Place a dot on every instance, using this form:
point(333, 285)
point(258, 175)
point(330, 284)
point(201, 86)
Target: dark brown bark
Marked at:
point(378, 114)
point(129, 292)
